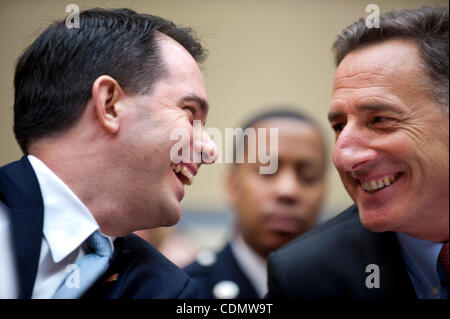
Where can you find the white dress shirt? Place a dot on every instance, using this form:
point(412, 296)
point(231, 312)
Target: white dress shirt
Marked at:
point(253, 265)
point(67, 224)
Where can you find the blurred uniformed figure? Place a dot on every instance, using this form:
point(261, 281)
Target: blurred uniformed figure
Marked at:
point(270, 209)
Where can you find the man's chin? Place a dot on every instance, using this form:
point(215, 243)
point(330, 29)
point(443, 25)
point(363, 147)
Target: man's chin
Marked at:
point(167, 215)
point(375, 221)
point(172, 216)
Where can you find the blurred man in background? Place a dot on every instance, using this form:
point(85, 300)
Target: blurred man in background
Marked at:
point(270, 209)
point(389, 111)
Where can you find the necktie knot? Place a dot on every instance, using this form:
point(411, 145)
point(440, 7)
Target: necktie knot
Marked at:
point(99, 244)
point(90, 267)
point(443, 259)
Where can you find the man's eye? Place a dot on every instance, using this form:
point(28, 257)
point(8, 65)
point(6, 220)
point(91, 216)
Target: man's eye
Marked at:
point(309, 179)
point(338, 127)
point(379, 119)
point(309, 174)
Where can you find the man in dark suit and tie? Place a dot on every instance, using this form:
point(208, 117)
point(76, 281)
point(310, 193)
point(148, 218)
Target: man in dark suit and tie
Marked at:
point(270, 209)
point(389, 111)
point(94, 110)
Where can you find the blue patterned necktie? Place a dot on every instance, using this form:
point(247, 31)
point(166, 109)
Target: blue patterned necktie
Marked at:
point(88, 269)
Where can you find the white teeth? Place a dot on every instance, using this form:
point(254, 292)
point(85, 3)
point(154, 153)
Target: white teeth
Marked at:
point(183, 170)
point(374, 185)
point(175, 167)
point(187, 173)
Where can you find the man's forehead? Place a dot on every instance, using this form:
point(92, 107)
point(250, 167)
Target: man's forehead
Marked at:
point(174, 53)
point(387, 59)
point(166, 41)
point(184, 78)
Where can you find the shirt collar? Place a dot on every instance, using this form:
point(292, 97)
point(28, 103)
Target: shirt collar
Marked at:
point(252, 264)
point(67, 221)
point(421, 255)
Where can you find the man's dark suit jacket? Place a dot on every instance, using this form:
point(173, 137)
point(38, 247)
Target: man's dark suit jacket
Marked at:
point(225, 268)
point(137, 269)
point(330, 262)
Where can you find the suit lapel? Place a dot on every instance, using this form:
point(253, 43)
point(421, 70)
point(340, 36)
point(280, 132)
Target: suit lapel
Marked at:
point(22, 196)
point(107, 286)
point(382, 249)
point(230, 269)
point(27, 237)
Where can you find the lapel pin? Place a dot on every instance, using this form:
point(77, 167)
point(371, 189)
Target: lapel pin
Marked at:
point(111, 278)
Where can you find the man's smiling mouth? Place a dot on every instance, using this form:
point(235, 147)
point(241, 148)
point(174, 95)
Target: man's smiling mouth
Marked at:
point(183, 173)
point(374, 185)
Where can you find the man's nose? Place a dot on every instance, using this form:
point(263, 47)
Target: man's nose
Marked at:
point(287, 187)
point(352, 149)
point(207, 149)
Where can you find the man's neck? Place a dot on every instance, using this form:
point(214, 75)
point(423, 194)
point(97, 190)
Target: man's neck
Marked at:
point(83, 174)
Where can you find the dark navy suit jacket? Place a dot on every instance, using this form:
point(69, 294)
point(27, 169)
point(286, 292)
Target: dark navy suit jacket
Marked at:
point(137, 269)
point(331, 261)
point(225, 268)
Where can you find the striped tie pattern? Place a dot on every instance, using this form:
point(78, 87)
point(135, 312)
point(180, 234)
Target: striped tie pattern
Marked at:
point(443, 258)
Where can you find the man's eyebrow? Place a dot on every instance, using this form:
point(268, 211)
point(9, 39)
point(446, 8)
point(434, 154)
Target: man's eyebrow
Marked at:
point(334, 115)
point(204, 107)
point(380, 107)
point(377, 107)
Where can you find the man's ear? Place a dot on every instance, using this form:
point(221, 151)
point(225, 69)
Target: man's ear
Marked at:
point(106, 92)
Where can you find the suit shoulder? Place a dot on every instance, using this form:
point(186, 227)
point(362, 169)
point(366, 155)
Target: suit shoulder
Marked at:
point(148, 268)
point(212, 264)
point(195, 269)
point(219, 275)
point(19, 186)
point(16, 169)
point(144, 253)
point(204, 265)
point(340, 231)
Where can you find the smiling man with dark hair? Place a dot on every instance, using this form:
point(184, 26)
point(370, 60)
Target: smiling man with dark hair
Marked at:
point(94, 110)
point(389, 111)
